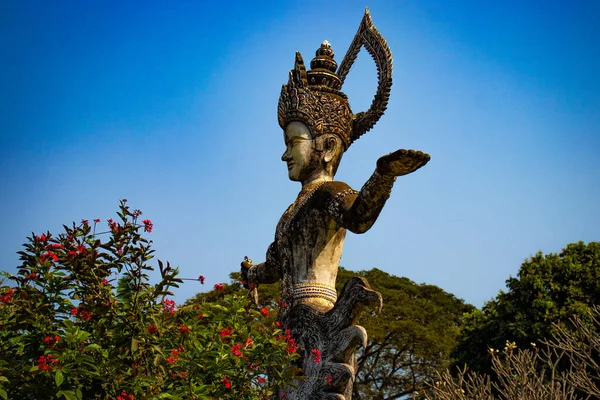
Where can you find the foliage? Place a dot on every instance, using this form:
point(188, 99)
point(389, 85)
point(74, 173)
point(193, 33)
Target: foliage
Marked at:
point(548, 289)
point(533, 374)
point(408, 341)
point(80, 320)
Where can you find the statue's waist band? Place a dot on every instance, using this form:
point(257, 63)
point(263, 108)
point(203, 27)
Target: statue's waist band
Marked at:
point(314, 289)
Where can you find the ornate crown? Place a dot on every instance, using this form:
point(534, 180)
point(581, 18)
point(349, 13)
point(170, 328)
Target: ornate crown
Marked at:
point(315, 98)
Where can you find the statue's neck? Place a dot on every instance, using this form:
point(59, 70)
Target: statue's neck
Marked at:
point(315, 179)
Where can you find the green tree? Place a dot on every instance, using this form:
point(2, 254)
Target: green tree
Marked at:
point(549, 289)
point(408, 342)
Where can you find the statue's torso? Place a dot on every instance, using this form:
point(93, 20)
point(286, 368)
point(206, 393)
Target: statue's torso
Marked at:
point(309, 241)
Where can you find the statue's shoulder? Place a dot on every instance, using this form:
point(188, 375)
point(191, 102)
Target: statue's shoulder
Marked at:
point(332, 190)
point(335, 187)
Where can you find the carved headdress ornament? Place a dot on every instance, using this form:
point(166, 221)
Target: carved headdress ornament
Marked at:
point(314, 97)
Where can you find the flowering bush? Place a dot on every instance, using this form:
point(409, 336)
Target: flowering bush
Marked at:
point(81, 320)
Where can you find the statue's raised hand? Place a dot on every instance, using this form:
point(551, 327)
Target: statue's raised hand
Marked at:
point(401, 162)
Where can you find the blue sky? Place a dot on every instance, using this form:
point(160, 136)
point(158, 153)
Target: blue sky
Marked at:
point(172, 105)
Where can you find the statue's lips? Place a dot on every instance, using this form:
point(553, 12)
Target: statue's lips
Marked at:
point(290, 166)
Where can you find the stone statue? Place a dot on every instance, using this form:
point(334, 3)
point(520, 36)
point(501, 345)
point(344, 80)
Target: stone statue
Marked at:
point(318, 127)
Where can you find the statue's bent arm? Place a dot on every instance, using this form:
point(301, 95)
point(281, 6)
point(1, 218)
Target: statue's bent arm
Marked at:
point(358, 211)
point(268, 271)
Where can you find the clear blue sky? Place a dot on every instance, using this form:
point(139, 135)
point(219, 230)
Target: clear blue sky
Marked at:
point(172, 105)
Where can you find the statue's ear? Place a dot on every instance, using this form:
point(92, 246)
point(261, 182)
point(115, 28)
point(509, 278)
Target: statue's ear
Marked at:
point(331, 148)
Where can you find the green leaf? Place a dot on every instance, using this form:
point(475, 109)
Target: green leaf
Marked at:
point(134, 345)
point(58, 378)
point(3, 394)
point(68, 394)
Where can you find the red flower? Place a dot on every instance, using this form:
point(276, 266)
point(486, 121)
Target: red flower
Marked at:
point(5, 298)
point(45, 362)
point(152, 328)
point(236, 349)
point(219, 286)
point(200, 316)
point(278, 324)
point(201, 278)
point(249, 342)
point(226, 332)
point(96, 220)
point(51, 341)
point(316, 355)
point(227, 383)
point(125, 396)
point(84, 221)
point(136, 213)
point(184, 329)
point(264, 311)
point(147, 225)
point(104, 282)
point(261, 379)
point(329, 379)
point(47, 255)
point(169, 306)
point(86, 316)
point(283, 304)
point(74, 311)
point(112, 225)
point(291, 346)
point(174, 355)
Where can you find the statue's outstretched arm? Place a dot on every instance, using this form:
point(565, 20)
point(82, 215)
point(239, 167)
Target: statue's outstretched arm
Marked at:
point(358, 211)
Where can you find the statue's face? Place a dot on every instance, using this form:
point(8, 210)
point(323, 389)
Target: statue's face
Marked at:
point(299, 152)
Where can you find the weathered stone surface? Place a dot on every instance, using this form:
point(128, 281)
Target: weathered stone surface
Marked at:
point(318, 128)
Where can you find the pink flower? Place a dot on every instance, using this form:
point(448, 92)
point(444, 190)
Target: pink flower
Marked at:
point(147, 225)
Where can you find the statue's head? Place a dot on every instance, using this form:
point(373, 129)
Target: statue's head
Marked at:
point(315, 116)
point(308, 156)
point(318, 124)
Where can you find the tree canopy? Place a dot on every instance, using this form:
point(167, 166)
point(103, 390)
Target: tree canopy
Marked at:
point(408, 341)
point(548, 289)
